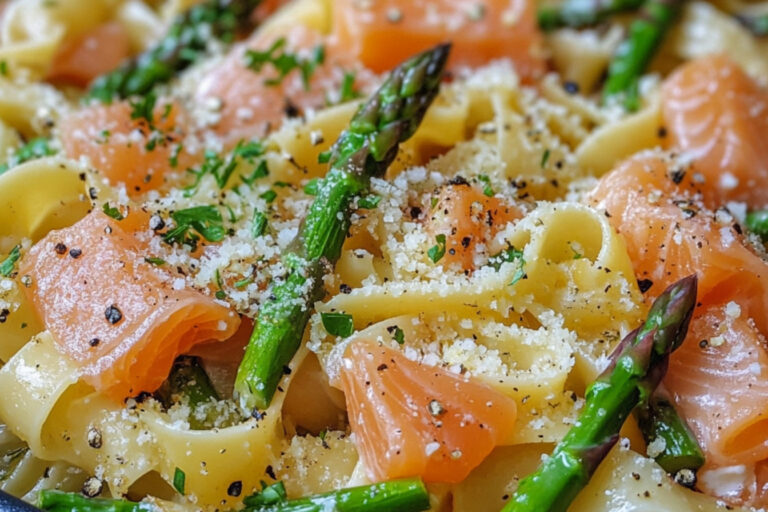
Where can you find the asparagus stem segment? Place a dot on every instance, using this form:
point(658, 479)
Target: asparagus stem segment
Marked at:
point(664, 430)
point(188, 382)
point(635, 52)
point(637, 366)
point(582, 13)
point(757, 222)
point(57, 501)
point(407, 495)
point(186, 40)
point(363, 151)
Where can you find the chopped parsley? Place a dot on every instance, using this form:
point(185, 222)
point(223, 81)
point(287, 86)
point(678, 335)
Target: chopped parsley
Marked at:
point(510, 254)
point(545, 158)
point(437, 251)
point(269, 495)
point(35, 148)
point(348, 91)
point(205, 221)
point(220, 293)
point(398, 335)
point(260, 171)
point(155, 261)
point(143, 107)
point(258, 224)
point(6, 267)
point(112, 211)
point(269, 196)
point(179, 479)
point(312, 187)
point(324, 157)
point(338, 324)
point(284, 62)
point(487, 189)
point(369, 202)
point(243, 282)
point(3, 68)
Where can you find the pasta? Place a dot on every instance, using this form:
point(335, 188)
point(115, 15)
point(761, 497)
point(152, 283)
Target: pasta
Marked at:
point(489, 220)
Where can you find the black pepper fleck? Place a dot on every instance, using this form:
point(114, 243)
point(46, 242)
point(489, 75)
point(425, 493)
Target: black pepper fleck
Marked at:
point(75, 253)
point(644, 285)
point(60, 248)
point(113, 314)
point(235, 488)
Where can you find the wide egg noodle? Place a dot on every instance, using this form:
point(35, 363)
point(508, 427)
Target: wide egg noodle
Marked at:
point(44, 405)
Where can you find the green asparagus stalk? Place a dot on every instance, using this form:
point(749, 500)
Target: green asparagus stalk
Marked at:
point(35, 148)
point(582, 13)
point(666, 431)
point(758, 25)
point(57, 501)
point(757, 222)
point(363, 151)
point(407, 495)
point(188, 382)
point(635, 53)
point(637, 366)
point(186, 40)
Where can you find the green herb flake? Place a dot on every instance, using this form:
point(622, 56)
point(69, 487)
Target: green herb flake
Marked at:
point(369, 202)
point(173, 160)
point(433, 203)
point(179, 478)
point(338, 324)
point(258, 224)
point(220, 294)
point(348, 91)
point(155, 261)
point(35, 148)
point(284, 62)
point(399, 336)
point(3, 68)
point(437, 251)
point(324, 157)
point(312, 187)
point(112, 211)
point(487, 189)
point(204, 220)
point(508, 255)
point(243, 283)
point(545, 158)
point(269, 196)
point(7, 265)
point(143, 107)
point(269, 495)
point(260, 171)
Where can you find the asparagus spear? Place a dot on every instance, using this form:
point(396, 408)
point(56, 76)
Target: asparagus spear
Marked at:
point(582, 13)
point(188, 381)
point(637, 366)
point(663, 427)
point(186, 40)
point(57, 501)
point(635, 52)
point(363, 151)
point(758, 25)
point(407, 495)
point(757, 222)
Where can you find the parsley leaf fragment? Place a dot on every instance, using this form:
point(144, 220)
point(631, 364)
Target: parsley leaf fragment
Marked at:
point(269, 495)
point(35, 148)
point(112, 211)
point(284, 62)
point(437, 251)
point(338, 324)
point(508, 255)
point(6, 267)
point(205, 221)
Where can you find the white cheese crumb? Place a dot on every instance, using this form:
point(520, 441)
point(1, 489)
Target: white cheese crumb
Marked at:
point(728, 181)
point(656, 447)
point(431, 448)
point(733, 310)
point(716, 341)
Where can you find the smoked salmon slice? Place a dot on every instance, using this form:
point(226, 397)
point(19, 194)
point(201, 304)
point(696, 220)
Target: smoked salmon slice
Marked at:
point(127, 148)
point(725, 350)
point(718, 378)
point(118, 317)
point(411, 419)
point(718, 117)
point(670, 235)
point(253, 102)
point(94, 53)
point(468, 218)
point(383, 33)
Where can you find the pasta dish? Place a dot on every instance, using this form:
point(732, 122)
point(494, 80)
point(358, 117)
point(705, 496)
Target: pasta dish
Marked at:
point(383, 255)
